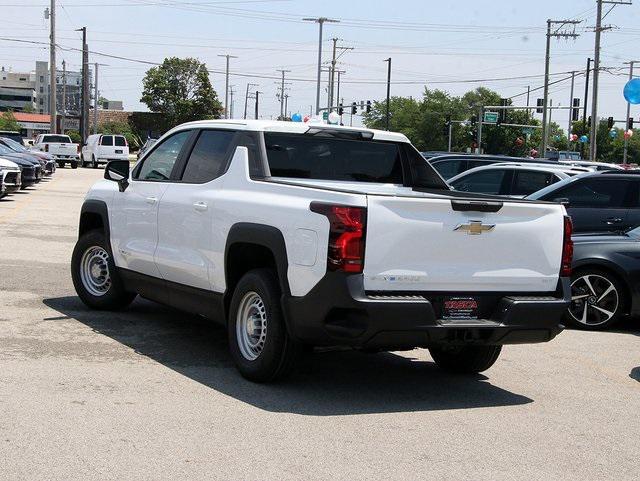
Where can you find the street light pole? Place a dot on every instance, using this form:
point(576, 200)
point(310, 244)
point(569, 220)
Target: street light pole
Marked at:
point(573, 78)
point(388, 91)
point(52, 68)
point(226, 86)
point(626, 140)
point(320, 21)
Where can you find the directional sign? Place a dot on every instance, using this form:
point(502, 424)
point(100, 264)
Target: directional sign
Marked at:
point(491, 117)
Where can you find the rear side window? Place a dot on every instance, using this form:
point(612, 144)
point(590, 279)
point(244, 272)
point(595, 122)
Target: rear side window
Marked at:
point(529, 181)
point(329, 158)
point(209, 156)
point(485, 182)
point(106, 140)
point(598, 193)
point(449, 168)
point(120, 141)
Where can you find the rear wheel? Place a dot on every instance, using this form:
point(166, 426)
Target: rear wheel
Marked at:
point(598, 299)
point(465, 359)
point(61, 164)
point(74, 164)
point(95, 276)
point(259, 342)
point(94, 162)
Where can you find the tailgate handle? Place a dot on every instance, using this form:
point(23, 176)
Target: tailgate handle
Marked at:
point(475, 206)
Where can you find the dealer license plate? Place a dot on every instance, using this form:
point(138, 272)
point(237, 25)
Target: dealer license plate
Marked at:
point(460, 309)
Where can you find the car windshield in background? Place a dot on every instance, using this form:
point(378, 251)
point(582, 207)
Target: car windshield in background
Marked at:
point(57, 139)
point(13, 145)
point(315, 157)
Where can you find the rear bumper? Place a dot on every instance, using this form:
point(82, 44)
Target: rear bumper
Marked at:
point(66, 158)
point(337, 311)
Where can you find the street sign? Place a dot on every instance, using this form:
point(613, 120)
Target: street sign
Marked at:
point(325, 115)
point(491, 117)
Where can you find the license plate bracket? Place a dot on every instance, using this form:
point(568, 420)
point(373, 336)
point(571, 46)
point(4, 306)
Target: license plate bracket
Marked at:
point(460, 308)
point(118, 151)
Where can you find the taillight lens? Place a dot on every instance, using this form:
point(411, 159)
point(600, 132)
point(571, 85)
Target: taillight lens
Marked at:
point(79, 149)
point(46, 147)
point(346, 236)
point(567, 248)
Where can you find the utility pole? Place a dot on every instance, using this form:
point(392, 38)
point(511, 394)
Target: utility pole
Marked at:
point(257, 100)
point(95, 100)
point(388, 91)
point(84, 104)
point(339, 72)
point(584, 107)
point(528, 92)
point(596, 74)
point(226, 86)
point(286, 101)
point(231, 92)
point(573, 78)
point(64, 96)
point(282, 107)
point(246, 98)
point(626, 121)
point(555, 34)
point(320, 21)
point(52, 68)
point(332, 72)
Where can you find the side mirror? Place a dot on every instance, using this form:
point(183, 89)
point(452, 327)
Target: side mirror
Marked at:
point(118, 171)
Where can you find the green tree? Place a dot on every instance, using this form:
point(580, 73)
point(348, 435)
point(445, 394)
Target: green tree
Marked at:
point(9, 122)
point(180, 89)
point(74, 135)
point(29, 109)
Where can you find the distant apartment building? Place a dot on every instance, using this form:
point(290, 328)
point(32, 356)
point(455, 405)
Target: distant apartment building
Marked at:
point(73, 94)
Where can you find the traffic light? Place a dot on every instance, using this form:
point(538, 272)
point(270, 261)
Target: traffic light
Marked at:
point(589, 121)
point(630, 123)
point(447, 124)
point(368, 109)
point(474, 120)
point(340, 110)
point(540, 105)
point(575, 112)
point(354, 108)
point(502, 113)
point(610, 123)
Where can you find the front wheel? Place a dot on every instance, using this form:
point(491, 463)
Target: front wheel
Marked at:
point(95, 275)
point(61, 164)
point(465, 359)
point(74, 164)
point(94, 164)
point(259, 342)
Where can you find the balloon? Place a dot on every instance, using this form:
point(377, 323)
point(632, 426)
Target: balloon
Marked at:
point(628, 134)
point(519, 141)
point(584, 139)
point(534, 153)
point(631, 91)
point(306, 118)
point(296, 118)
point(333, 118)
point(574, 137)
point(557, 138)
point(613, 133)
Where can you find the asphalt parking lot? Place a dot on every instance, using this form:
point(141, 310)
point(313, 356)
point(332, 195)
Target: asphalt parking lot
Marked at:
point(151, 393)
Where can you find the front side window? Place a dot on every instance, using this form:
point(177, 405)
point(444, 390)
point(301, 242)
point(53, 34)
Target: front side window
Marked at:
point(529, 181)
point(106, 140)
point(599, 193)
point(209, 156)
point(325, 157)
point(159, 163)
point(485, 182)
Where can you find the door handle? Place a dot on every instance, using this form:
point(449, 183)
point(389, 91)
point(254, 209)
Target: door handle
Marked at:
point(200, 206)
point(151, 200)
point(613, 220)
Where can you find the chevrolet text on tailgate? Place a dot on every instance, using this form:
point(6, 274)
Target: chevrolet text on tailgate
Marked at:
point(293, 234)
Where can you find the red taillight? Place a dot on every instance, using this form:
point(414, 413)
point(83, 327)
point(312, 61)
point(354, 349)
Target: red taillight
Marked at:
point(346, 236)
point(567, 248)
point(79, 148)
point(46, 147)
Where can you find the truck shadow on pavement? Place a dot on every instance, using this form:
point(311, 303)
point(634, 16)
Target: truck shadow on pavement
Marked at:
point(328, 383)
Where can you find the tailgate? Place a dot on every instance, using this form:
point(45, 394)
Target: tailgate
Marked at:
point(423, 244)
point(64, 149)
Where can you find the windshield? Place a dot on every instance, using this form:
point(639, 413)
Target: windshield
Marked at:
point(4, 150)
point(13, 145)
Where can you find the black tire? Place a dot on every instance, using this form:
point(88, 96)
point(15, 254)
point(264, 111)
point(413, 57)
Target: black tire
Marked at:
point(279, 353)
point(83, 164)
point(115, 297)
point(94, 162)
point(61, 164)
point(465, 359)
point(74, 164)
point(616, 303)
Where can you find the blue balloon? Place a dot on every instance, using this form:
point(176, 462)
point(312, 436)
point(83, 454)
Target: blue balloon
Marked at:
point(584, 139)
point(632, 91)
point(613, 133)
point(296, 118)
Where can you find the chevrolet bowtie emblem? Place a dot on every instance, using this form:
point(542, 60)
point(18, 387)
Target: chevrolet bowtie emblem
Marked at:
point(474, 227)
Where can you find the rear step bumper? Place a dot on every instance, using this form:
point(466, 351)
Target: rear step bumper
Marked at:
point(337, 311)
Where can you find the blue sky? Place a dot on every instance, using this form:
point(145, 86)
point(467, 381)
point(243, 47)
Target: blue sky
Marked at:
point(438, 44)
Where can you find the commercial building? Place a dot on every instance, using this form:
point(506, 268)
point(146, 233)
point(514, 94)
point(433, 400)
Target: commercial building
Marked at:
point(17, 91)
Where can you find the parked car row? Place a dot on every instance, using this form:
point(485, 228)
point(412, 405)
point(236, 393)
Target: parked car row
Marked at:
point(21, 167)
point(603, 201)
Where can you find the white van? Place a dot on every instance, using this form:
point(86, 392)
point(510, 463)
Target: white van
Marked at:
point(101, 148)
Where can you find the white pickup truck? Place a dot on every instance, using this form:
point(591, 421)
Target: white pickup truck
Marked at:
point(293, 234)
point(60, 147)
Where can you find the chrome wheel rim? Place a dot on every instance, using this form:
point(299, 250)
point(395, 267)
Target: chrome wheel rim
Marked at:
point(94, 271)
point(251, 326)
point(594, 300)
